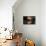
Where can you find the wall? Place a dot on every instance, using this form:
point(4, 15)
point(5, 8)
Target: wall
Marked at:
point(43, 22)
point(28, 8)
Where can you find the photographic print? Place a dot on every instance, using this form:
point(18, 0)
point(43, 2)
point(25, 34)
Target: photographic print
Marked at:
point(28, 19)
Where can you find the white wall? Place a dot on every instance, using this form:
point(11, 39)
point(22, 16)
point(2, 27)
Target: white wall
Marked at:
point(43, 22)
point(6, 13)
point(25, 10)
point(29, 8)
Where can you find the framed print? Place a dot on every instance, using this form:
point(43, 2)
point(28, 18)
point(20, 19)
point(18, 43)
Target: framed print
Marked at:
point(28, 19)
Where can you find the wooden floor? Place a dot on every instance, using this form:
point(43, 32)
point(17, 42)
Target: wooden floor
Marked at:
point(9, 43)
